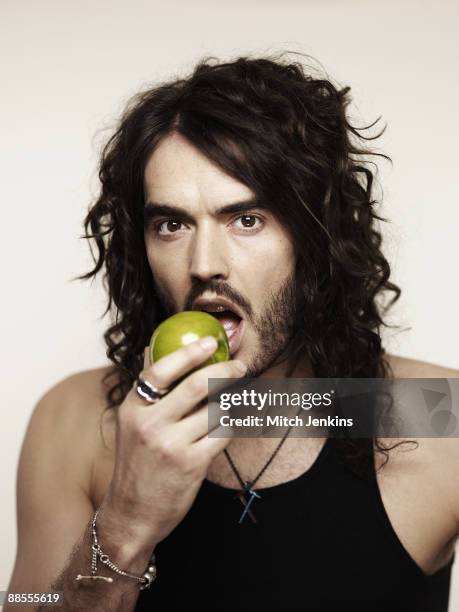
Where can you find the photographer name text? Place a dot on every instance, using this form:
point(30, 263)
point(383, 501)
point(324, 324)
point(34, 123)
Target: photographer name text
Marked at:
point(284, 421)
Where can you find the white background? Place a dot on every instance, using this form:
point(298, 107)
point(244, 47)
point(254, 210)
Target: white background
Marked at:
point(67, 70)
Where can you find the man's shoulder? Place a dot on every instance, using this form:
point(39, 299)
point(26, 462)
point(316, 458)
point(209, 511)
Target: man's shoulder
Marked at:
point(405, 367)
point(76, 400)
point(81, 385)
point(64, 427)
point(439, 455)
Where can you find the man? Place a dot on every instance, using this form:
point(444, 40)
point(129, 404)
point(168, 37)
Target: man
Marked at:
point(242, 188)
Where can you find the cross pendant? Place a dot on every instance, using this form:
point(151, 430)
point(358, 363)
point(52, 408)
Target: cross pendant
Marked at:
point(247, 504)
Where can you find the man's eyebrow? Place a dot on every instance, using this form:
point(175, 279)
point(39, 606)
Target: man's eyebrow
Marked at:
point(156, 209)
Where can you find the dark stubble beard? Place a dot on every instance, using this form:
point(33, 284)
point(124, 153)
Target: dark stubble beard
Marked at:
point(274, 328)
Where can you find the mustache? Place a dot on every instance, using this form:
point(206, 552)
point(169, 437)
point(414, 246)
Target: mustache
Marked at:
point(221, 289)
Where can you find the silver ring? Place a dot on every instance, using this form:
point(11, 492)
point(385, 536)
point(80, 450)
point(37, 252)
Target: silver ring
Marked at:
point(147, 391)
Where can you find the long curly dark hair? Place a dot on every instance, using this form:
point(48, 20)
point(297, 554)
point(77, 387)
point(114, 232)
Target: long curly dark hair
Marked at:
point(283, 131)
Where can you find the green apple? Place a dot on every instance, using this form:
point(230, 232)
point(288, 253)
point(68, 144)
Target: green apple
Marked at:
point(185, 327)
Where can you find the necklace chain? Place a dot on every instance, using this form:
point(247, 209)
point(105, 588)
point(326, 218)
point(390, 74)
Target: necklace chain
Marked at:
point(247, 485)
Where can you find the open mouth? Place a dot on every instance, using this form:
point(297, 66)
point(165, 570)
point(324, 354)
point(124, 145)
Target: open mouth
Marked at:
point(233, 326)
point(231, 321)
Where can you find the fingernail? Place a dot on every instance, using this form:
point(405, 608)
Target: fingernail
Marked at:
point(208, 343)
point(240, 365)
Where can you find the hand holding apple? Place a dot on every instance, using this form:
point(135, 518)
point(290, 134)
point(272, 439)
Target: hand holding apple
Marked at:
point(185, 327)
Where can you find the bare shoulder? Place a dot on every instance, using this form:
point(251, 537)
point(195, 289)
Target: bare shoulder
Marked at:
point(80, 386)
point(439, 456)
point(77, 398)
point(404, 367)
point(70, 413)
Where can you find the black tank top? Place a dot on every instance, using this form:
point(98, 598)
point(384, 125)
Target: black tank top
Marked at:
point(322, 543)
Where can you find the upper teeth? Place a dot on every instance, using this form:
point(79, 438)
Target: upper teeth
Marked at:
point(214, 308)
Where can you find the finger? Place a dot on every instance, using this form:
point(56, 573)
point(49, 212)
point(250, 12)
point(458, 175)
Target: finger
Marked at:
point(196, 425)
point(208, 448)
point(146, 358)
point(139, 401)
point(164, 372)
point(195, 388)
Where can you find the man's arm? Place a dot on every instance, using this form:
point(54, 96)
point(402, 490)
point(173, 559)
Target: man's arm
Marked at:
point(120, 595)
point(54, 512)
point(446, 448)
point(163, 453)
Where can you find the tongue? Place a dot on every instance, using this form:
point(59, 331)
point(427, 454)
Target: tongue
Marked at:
point(229, 320)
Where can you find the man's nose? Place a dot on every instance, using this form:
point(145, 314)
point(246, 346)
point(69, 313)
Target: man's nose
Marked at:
point(208, 256)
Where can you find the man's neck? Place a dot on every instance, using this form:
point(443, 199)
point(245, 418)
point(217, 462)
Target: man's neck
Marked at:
point(302, 369)
point(249, 446)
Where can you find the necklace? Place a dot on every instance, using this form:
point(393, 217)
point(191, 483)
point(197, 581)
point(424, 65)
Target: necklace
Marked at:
point(247, 485)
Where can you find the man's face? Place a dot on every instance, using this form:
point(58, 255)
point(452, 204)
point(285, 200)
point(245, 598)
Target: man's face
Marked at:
point(246, 257)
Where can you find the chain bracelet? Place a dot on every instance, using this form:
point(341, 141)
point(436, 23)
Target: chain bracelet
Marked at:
point(146, 580)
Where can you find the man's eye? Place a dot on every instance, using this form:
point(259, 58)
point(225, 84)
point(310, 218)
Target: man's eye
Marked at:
point(170, 225)
point(249, 222)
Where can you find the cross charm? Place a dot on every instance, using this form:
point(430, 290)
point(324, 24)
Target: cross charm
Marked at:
point(246, 503)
